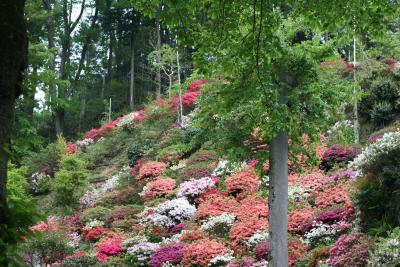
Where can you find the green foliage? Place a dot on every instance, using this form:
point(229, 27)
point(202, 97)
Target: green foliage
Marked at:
point(47, 248)
point(17, 185)
point(342, 133)
point(378, 197)
point(70, 181)
point(79, 262)
point(135, 152)
point(97, 213)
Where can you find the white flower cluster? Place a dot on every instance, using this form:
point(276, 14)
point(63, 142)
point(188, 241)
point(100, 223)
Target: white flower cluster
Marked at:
point(87, 200)
point(297, 193)
point(388, 142)
point(85, 142)
point(181, 165)
point(127, 119)
point(257, 238)
point(387, 251)
point(221, 260)
point(196, 187)
point(224, 167)
point(93, 223)
point(320, 233)
point(171, 240)
point(143, 251)
point(225, 219)
point(112, 182)
point(39, 181)
point(172, 212)
point(74, 239)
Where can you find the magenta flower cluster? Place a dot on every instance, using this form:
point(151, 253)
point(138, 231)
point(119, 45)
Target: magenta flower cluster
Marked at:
point(350, 250)
point(171, 253)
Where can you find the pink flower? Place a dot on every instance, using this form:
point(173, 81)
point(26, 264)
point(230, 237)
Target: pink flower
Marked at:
point(71, 148)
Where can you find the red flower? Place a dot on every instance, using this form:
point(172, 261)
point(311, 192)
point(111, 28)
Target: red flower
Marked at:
point(245, 180)
point(201, 252)
point(95, 233)
point(195, 86)
point(190, 98)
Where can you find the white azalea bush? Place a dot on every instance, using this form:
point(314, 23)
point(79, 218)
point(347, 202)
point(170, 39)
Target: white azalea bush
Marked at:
point(320, 233)
point(257, 238)
point(219, 225)
point(194, 188)
point(387, 251)
point(221, 260)
point(171, 212)
point(389, 143)
point(140, 253)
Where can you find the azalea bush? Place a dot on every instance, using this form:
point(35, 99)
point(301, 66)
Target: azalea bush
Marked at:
point(219, 225)
point(171, 254)
point(242, 231)
point(342, 133)
point(243, 181)
point(387, 251)
point(150, 170)
point(201, 252)
point(108, 247)
point(337, 155)
point(350, 250)
point(158, 188)
point(194, 188)
point(140, 253)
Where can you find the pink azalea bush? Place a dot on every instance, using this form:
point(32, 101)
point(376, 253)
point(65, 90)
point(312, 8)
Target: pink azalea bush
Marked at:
point(50, 226)
point(245, 180)
point(158, 188)
point(151, 169)
point(201, 252)
point(171, 253)
point(109, 247)
point(194, 187)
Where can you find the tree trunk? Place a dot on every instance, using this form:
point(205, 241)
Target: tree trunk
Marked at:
point(355, 92)
point(158, 73)
point(13, 57)
point(278, 201)
point(132, 84)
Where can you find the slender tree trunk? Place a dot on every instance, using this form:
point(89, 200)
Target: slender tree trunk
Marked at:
point(132, 78)
point(278, 201)
point(158, 73)
point(13, 56)
point(355, 92)
point(180, 108)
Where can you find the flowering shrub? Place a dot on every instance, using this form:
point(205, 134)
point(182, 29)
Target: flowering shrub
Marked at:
point(201, 252)
point(126, 119)
point(332, 216)
point(172, 212)
point(221, 260)
point(320, 233)
point(389, 143)
point(341, 133)
point(261, 251)
point(95, 233)
point(172, 254)
point(296, 251)
point(215, 205)
point(348, 174)
point(151, 169)
point(71, 148)
point(40, 183)
point(242, 231)
point(209, 194)
point(337, 154)
point(245, 180)
point(141, 252)
point(298, 218)
point(189, 98)
point(334, 195)
point(350, 250)
point(108, 247)
point(219, 225)
point(194, 188)
point(195, 86)
point(158, 188)
point(85, 142)
point(252, 205)
point(50, 226)
point(387, 251)
point(92, 134)
point(119, 214)
point(258, 237)
point(246, 262)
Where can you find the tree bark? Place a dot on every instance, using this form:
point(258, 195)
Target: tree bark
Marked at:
point(158, 73)
point(13, 58)
point(278, 201)
point(132, 78)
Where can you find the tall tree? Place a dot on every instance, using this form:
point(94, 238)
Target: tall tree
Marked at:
point(13, 57)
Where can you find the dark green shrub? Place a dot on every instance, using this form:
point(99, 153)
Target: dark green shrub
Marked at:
point(70, 181)
point(382, 113)
point(135, 152)
point(97, 213)
point(46, 249)
point(84, 261)
point(378, 197)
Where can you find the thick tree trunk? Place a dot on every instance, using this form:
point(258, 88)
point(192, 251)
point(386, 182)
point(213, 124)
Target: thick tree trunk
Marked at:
point(158, 73)
point(278, 201)
point(13, 51)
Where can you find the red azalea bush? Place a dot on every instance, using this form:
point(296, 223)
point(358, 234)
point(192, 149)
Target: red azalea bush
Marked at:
point(95, 233)
point(215, 205)
point(193, 236)
point(245, 180)
point(296, 250)
point(71, 148)
point(299, 218)
point(242, 230)
point(151, 169)
point(107, 129)
point(337, 154)
point(202, 251)
point(195, 86)
point(50, 226)
point(252, 206)
point(189, 98)
point(339, 194)
point(209, 194)
point(171, 253)
point(92, 134)
point(350, 250)
point(109, 247)
point(159, 188)
point(140, 116)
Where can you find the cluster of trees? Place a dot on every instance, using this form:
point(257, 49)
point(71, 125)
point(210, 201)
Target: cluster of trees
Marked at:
point(84, 52)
